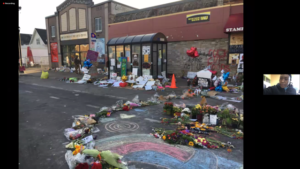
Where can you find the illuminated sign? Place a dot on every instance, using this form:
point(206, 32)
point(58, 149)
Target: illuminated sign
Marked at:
point(198, 17)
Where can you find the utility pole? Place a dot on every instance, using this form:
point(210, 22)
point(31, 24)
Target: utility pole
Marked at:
point(20, 52)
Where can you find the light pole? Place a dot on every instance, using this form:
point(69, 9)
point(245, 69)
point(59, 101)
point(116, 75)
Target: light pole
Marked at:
point(20, 53)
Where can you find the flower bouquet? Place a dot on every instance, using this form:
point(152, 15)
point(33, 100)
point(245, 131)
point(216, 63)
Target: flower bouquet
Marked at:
point(177, 111)
point(168, 108)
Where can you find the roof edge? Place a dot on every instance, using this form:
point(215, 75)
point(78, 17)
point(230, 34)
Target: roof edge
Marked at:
point(50, 16)
point(101, 3)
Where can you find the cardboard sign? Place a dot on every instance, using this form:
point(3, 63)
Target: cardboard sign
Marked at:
point(92, 55)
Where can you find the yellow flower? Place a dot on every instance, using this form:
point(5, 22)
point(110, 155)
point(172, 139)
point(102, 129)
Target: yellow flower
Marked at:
point(164, 137)
point(191, 143)
point(196, 141)
point(202, 129)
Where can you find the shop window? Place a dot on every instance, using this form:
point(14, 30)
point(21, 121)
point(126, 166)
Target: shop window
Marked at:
point(146, 59)
point(83, 57)
point(37, 41)
point(128, 55)
point(84, 48)
point(164, 58)
point(53, 31)
point(77, 48)
point(98, 25)
point(136, 54)
point(111, 55)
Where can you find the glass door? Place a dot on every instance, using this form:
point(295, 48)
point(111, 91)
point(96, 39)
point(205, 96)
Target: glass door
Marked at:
point(120, 53)
point(160, 58)
point(146, 59)
point(164, 58)
point(136, 55)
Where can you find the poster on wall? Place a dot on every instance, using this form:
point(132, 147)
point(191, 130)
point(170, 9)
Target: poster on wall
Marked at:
point(92, 46)
point(233, 58)
point(146, 50)
point(100, 48)
point(145, 58)
point(54, 52)
point(135, 60)
point(123, 66)
point(241, 58)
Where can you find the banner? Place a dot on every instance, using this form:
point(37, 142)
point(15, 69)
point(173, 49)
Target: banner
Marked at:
point(123, 66)
point(198, 17)
point(54, 52)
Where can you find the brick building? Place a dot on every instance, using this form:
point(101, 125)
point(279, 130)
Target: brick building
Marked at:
point(69, 29)
point(215, 27)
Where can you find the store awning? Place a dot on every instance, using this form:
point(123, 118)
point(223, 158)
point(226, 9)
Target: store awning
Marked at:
point(235, 23)
point(145, 38)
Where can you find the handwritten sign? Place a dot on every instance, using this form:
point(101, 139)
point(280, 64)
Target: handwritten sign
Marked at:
point(135, 71)
point(213, 119)
point(87, 139)
point(92, 55)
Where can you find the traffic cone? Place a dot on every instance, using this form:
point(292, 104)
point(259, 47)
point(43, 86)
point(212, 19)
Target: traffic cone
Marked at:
point(173, 83)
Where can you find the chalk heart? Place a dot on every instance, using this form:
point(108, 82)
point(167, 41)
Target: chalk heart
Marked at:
point(125, 116)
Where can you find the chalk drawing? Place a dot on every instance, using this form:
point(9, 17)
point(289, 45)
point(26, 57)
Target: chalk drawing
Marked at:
point(121, 126)
point(162, 148)
point(152, 120)
point(105, 120)
point(125, 116)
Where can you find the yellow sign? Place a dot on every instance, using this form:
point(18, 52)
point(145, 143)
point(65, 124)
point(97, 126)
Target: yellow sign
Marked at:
point(198, 17)
point(145, 58)
point(74, 36)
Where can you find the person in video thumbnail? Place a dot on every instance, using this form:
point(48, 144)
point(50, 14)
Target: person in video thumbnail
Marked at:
point(284, 87)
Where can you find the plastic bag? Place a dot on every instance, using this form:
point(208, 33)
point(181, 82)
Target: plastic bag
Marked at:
point(136, 99)
point(80, 158)
point(119, 104)
point(215, 78)
point(90, 145)
point(156, 95)
point(172, 95)
point(230, 107)
point(103, 109)
point(72, 133)
point(73, 78)
point(70, 159)
point(45, 75)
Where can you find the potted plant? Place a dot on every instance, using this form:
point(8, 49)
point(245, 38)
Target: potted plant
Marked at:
point(177, 111)
point(168, 108)
point(225, 117)
point(213, 111)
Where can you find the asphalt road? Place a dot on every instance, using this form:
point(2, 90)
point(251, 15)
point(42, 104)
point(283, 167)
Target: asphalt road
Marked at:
point(44, 113)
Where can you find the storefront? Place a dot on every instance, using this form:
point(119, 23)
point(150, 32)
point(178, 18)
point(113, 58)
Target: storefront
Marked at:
point(235, 27)
point(73, 45)
point(146, 55)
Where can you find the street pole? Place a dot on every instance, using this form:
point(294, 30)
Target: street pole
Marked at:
point(20, 51)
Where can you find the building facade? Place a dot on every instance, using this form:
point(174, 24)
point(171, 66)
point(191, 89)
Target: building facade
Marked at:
point(69, 31)
point(214, 27)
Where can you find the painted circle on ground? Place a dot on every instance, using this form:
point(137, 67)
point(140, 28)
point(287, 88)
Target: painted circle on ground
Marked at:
point(121, 126)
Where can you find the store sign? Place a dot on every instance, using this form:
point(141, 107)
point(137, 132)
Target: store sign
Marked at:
point(236, 49)
point(93, 37)
point(74, 36)
point(198, 17)
point(235, 29)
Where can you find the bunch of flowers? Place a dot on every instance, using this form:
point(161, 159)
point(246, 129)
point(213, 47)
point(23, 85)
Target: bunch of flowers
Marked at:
point(201, 142)
point(168, 108)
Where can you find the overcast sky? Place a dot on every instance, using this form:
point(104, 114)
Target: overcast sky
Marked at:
point(33, 12)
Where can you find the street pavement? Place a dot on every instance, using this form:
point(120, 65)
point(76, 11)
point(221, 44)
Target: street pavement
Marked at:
point(46, 108)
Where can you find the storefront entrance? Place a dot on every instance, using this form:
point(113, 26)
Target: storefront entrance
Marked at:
point(69, 52)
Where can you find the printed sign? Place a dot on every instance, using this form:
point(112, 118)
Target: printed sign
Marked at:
point(93, 37)
point(92, 55)
point(74, 36)
point(145, 58)
point(146, 50)
point(198, 17)
point(203, 82)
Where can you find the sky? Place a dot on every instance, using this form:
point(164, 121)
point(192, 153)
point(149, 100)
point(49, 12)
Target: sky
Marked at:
point(33, 12)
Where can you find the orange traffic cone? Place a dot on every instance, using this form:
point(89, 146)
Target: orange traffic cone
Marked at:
point(173, 83)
